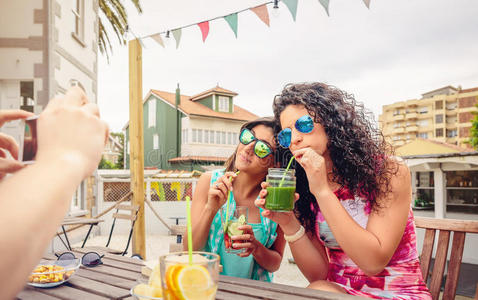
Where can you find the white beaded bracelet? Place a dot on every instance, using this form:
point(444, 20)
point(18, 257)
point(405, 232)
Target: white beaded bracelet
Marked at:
point(294, 237)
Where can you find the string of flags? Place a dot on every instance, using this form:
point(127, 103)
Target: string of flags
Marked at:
point(261, 11)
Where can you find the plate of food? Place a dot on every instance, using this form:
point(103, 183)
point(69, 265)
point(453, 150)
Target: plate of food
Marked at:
point(53, 273)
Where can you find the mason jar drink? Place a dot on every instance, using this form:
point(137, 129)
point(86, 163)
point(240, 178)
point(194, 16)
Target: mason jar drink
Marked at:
point(281, 189)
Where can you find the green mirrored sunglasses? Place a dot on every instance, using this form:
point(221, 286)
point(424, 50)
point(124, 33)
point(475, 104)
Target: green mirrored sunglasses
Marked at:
point(261, 149)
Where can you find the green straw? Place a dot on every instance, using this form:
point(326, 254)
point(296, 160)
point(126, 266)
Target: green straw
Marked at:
point(190, 234)
point(285, 173)
point(227, 204)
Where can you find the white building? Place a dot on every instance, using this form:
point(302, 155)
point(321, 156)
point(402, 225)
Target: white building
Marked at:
point(46, 46)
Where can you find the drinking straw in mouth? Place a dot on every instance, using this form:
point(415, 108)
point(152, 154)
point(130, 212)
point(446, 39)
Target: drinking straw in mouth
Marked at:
point(190, 234)
point(287, 169)
point(227, 204)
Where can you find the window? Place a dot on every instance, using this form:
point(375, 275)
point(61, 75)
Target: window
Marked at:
point(155, 141)
point(152, 113)
point(438, 132)
point(423, 135)
point(439, 119)
point(422, 110)
point(218, 137)
point(78, 12)
point(26, 93)
point(184, 138)
point(223, 138)
point(451, 106)
point(223, 104)
point(451, 133)
point(396, 112)
point(235, 137)
point(211, 137)
point(396, 125)
point(195, 138)
point(206, 136)
point(229, 138)
point(439, 104)
point(422, 123)
point(199, 135)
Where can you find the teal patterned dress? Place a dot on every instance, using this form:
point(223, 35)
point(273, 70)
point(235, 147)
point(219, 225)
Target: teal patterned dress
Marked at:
point(233, 265)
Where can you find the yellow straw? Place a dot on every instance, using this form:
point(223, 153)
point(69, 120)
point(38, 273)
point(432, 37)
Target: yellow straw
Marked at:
point(287, 169)
point(227, 204)
point(190, 234)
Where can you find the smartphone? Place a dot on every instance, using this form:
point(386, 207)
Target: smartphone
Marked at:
point(28, 140)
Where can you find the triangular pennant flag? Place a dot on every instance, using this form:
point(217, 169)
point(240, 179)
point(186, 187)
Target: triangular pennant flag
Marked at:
point(177, 36)
point(325, 4)
point(204, 29)
point(232, 21)
point(158, 39)
point(292, 6)
point(261, 12)
point(367, 3)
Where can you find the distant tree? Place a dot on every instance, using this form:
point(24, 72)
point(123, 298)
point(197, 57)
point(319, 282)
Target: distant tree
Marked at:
point(105, 164)
point(114, 13)
point(473, 141)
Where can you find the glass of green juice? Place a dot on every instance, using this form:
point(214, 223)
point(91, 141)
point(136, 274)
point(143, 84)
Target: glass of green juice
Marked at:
point(281, 189)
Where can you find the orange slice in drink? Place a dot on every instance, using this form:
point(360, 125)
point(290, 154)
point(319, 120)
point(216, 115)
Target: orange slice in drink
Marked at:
point(171, 277)
point(194, 283)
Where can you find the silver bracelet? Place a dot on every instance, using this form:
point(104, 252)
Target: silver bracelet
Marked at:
point(294, 237)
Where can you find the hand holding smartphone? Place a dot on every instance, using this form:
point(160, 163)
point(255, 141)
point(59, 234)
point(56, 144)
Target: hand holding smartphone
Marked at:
point(28, 140)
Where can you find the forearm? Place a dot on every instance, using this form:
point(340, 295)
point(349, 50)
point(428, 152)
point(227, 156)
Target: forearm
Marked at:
point(36, 199)
point(370, 256)
point(269, 259)
point(200, 228)
point(308, 258)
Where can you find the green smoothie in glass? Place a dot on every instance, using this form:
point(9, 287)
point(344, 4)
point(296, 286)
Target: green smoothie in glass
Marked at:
point(281, 189)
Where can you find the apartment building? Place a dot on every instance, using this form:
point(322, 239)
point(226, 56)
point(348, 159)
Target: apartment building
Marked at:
point(442, 115)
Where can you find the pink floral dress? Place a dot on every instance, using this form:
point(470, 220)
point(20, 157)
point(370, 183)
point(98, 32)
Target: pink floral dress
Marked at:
point(401, 278)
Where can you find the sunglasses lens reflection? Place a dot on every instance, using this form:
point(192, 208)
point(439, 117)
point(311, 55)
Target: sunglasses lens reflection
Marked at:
point(66, 256)
point(261, 149)
point(91, 259)
point(304, 124)
point(284, 137)
point(246, 137)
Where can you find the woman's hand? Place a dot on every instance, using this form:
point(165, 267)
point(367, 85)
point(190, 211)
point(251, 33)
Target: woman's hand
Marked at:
point(7, 143)
point(286, 220)
point(245, 241)
point(315, 169)
point(219, 190)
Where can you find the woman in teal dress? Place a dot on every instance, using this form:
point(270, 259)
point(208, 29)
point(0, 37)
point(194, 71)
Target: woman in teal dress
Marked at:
point(262, 240)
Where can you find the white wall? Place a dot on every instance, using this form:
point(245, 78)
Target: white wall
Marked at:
point(202, 149)
point(14, 12)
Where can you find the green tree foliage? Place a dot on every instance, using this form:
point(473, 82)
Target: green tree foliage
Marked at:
point(113, 12)
point(105, 164)
point(473, 141)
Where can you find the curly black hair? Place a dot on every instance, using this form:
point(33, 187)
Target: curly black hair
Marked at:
point(357, 148)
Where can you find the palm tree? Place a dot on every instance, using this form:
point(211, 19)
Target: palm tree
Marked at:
point(114, 13)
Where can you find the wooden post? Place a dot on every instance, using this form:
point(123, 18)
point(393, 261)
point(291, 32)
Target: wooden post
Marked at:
point(136, 143)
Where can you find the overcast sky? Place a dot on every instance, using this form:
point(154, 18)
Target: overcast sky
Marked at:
point(395, 51)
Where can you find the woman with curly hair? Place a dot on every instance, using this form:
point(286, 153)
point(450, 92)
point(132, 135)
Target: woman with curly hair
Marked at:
point(354, 198)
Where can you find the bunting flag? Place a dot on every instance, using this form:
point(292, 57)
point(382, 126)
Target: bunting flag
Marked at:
point(232, 21)
point(292, 6)
point(204, 26)
point(261, 12)
point(177, 36)
point(325, 4)
point(158, 39)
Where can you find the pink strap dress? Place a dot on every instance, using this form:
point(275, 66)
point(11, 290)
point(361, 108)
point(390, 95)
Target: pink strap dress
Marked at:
point(401, 278)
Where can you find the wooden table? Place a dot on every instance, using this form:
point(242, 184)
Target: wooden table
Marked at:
point(118, 274)
point(67, 221)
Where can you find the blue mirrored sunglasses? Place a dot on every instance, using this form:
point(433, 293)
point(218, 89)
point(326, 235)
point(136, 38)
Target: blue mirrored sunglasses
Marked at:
point(261, 148)
point(304, 124)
